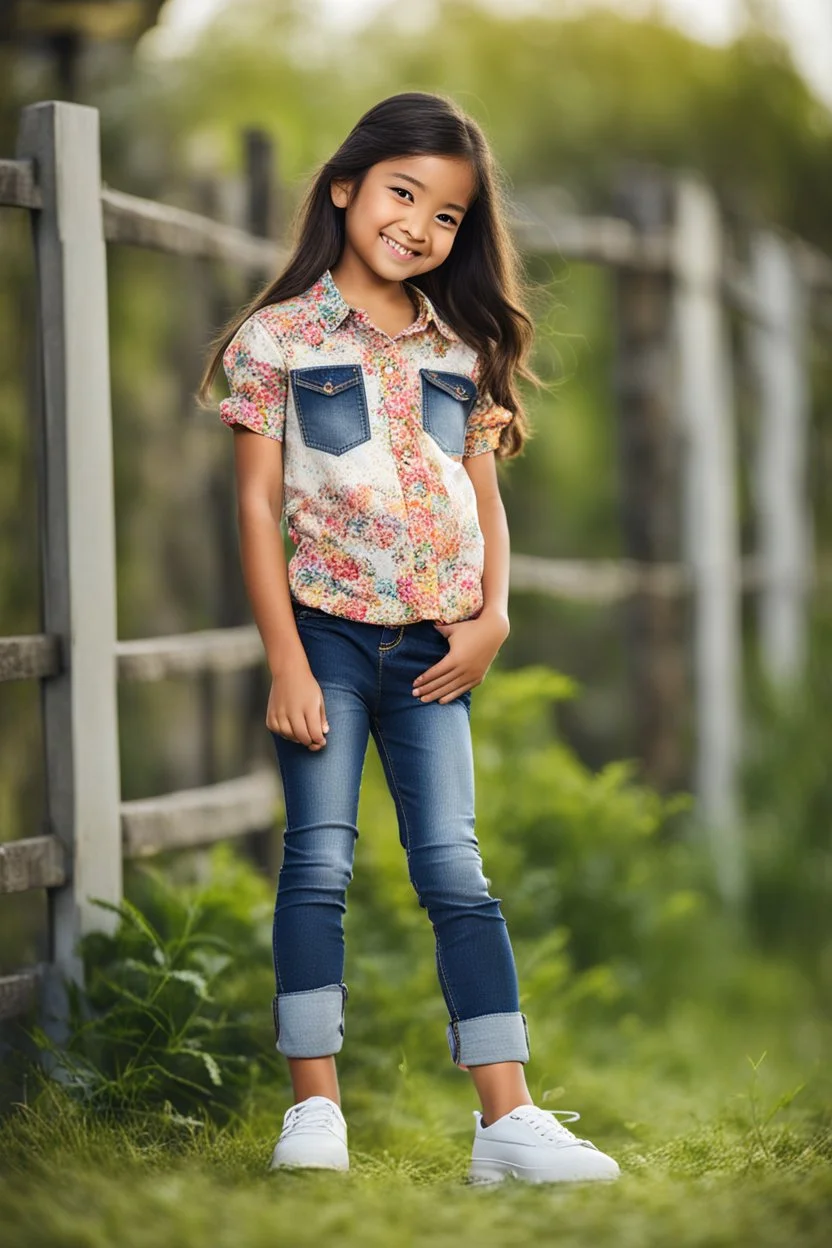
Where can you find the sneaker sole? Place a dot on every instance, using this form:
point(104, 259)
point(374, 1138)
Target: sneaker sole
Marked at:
point(304, 1165)
point(487, 1173)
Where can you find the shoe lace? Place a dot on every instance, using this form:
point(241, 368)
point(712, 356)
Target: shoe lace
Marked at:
point(547, 1123)
point(320, 1114)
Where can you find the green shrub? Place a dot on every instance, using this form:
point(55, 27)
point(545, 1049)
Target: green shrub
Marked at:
point(170, 1018)
point(788, 787)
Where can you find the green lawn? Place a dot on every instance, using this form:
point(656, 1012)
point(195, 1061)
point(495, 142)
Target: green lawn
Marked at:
point(713, 1151)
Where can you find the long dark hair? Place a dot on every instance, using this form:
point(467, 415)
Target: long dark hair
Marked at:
point(477, 289)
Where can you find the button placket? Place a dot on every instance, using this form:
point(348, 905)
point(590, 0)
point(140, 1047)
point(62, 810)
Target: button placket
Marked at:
point(413, 480)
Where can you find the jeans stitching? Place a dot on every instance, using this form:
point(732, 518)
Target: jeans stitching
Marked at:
point(400, 805)
point(444, 975)
point(397, 794)
point(497, 1014)
point(383, 648)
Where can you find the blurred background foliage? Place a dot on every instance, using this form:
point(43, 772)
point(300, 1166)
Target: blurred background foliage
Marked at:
point(607, 891)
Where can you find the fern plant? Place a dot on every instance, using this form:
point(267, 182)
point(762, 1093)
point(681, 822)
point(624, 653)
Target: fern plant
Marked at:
point(158, 1025)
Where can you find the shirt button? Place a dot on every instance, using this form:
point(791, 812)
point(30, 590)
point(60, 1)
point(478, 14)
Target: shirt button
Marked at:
point(389, 368)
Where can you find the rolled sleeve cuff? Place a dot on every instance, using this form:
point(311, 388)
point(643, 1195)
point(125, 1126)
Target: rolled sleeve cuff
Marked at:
point(237, 411)
point(484, 430)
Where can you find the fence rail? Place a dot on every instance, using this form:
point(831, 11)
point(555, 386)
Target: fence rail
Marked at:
point(144, 223)
point(18, 992)
point(18, 188)
point(674, 278)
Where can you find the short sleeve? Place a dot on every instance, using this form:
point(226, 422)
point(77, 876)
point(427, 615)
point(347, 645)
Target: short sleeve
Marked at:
point(257, 381)
point(486, 422)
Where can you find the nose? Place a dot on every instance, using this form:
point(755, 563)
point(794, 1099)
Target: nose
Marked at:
point(415, 229)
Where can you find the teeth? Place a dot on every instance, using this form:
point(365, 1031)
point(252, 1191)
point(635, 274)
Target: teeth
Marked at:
point(403, 251)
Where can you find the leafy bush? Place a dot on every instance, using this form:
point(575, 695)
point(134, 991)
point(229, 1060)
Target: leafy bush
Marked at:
point(170, 1018)
point(788, 786)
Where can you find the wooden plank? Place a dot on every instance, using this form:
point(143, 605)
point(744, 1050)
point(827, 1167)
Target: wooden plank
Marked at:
point(609, 241)
point(29, 658)
point(741, 295)
point(649, 455)
point(18, 993)
point(711, 523)
point(260, 182)
point(83, 20)
point(193, 817)
point(18, 188)
point(607, 581)
point(777, 352)
point(188, 654)
point(813, 266)
point(600, 581)
point(539, 224)
point(145, 223)
point(75, 479)
point(37, 862)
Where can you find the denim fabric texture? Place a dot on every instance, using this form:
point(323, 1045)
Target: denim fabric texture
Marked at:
point(447, 400)
point(366, 673)
point(332, 407)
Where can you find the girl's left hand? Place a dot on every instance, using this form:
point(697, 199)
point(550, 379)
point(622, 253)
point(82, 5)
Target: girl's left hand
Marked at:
point(474, 645)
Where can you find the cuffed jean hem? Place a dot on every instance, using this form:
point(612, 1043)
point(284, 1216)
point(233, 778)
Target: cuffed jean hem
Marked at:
point(310, 1023)
point(489, 1038)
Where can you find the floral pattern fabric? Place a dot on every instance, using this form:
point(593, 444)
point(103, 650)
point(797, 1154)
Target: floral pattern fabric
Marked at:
point(386, 532)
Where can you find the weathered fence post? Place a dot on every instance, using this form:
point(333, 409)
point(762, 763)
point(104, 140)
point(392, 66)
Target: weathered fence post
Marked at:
point(711, 529)
point(262, 205)
point(205, 316)
point(784, 538)
point(649, 445)
point(75, 471)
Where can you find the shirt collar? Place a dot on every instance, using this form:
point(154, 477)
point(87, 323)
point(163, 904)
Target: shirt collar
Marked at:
point(333, 308)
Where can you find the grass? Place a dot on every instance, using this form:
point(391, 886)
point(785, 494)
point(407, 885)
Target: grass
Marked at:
point(718, 1143)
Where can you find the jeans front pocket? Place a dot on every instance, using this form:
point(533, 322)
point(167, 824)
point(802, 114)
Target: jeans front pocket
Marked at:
point(302, 611)
point(447, 400)
point(332, 407)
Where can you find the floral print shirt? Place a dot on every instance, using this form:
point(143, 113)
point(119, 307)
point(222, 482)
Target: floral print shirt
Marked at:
point(376, 499)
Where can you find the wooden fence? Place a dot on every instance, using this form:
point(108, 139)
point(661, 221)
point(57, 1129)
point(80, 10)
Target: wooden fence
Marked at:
point(673, 278)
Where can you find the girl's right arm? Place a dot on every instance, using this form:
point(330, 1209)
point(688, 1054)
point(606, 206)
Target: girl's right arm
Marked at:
point(296, 708)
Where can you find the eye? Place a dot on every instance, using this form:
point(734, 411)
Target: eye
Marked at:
point(401, 190)
point(451, 220)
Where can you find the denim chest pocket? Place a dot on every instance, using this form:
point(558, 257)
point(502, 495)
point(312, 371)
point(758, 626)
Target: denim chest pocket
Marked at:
point(447, 400)
point(332, 407)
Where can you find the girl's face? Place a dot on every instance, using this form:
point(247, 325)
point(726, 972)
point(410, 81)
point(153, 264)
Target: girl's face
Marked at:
point(407, 212)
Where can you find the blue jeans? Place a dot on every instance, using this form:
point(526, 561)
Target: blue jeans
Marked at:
point(366, 673)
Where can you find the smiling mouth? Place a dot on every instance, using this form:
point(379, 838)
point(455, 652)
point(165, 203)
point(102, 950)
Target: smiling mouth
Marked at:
point(404, 252)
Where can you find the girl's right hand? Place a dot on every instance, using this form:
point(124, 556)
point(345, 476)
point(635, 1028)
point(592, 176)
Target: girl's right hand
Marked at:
point(296, 708)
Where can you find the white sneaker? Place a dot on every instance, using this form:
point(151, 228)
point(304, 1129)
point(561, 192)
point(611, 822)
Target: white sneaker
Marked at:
point(314, 1134)
point(531, 1144)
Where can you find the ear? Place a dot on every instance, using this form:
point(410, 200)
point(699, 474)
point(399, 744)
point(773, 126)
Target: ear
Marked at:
point(340, 193)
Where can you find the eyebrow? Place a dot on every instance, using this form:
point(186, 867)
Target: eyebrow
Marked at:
point(422, 187)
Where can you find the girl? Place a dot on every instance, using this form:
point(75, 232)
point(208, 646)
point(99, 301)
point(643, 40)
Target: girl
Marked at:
point(372, 385)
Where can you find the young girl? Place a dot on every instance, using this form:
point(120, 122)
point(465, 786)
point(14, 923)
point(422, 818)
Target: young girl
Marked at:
point(372, 385)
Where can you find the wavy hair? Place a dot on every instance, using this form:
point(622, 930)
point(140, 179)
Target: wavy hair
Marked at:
point(478, 288)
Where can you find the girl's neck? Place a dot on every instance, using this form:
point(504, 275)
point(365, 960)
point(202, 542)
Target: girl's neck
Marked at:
point(362, 288)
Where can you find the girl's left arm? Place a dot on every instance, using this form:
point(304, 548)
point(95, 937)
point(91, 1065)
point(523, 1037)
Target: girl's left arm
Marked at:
point(482, 469)
point(474, 643)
